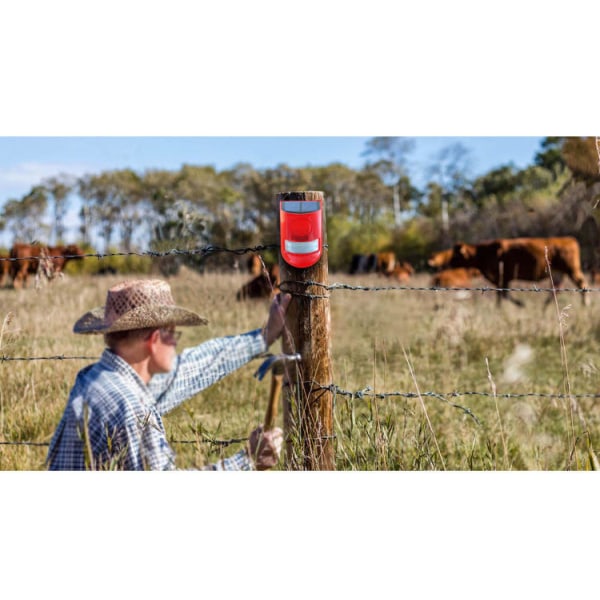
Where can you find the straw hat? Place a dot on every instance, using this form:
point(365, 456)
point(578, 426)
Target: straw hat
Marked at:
point(137, 305)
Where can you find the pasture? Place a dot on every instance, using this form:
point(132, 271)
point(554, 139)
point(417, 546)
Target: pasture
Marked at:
point(413, 349)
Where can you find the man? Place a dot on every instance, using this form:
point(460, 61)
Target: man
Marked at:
point(113, 416)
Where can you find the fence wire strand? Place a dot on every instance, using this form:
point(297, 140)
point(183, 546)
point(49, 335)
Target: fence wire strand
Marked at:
point(202, 251)
point(58, 357)
point(368, 394)
point(387, 288)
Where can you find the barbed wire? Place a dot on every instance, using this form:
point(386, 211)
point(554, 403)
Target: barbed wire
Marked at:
point(363, 288)
point(222, 443)
point(444, 396)
point(58, 357)
point(208, 441)
point(368, 393)
point(202, 251)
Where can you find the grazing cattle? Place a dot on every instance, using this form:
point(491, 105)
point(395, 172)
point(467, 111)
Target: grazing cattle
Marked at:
point(503, 260)
point(30, 259)
point(442, 259)
point(4, 269)
point(402, 271)
point(363, 263)
point(386, 262)
point(254, 264)
point(27, 261)
point(454, 278)
point(60, 255)
point(261, 286)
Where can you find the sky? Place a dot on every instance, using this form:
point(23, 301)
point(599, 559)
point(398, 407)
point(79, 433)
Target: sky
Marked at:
point(26, 160)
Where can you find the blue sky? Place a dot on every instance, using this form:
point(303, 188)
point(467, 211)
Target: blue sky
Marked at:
point(26, 160)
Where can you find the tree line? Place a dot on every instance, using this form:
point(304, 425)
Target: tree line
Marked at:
point(374, 208)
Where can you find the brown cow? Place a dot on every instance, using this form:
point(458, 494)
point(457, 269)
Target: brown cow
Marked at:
point(454, 278)
point(4, 269)
point(402, 271)
point(254, 264)
point(260, 286)
point(27, 262)
point(441, 259)
point(60, 255)
point(386, 262)
point(502, 260)
point(31, 258)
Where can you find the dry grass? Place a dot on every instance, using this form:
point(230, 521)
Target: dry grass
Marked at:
point(393, 341)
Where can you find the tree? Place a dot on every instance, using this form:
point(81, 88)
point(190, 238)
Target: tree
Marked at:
point(25, 217)
point(13, 218)
point(550, 157)
point(431, 204)
point(367, 199)
point(59, 188)
point(242, 201)
point(582, 156)
point(266, 184)
point(391, 165)
point(100, 207)
point(450, 172)
point(494, 187)
point(410, 196)
point(179, 229)
point(127, 191)
point(176, 217)
point(158, 189)
point(337, 181)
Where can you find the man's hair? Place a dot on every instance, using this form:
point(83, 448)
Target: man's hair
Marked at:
point(116, 337)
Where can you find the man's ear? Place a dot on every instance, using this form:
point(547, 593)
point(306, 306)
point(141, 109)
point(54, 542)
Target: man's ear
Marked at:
point(153, 337)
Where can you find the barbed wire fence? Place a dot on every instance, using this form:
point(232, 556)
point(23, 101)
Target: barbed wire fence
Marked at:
point(337, 391)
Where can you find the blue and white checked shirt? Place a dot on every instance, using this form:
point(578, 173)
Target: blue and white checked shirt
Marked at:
point(123, 414)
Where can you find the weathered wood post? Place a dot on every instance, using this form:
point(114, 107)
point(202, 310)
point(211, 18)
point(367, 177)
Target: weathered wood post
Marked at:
point(308, 409)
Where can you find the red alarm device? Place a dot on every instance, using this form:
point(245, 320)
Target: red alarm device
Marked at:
point(301, 228)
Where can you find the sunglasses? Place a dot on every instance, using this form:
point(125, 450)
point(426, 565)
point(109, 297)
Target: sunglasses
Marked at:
point(169, 335)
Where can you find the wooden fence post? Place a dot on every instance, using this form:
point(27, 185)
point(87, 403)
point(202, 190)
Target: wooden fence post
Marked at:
point(308, 409)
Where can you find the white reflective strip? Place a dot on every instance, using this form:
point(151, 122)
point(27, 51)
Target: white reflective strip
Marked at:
point(295, 206)
point(301, 247)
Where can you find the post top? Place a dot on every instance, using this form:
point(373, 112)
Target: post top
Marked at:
point(307, 195)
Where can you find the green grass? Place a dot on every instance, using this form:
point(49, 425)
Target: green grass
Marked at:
point(391, 341)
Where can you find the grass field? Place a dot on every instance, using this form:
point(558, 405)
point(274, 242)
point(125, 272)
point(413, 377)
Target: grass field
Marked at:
point(419, 345)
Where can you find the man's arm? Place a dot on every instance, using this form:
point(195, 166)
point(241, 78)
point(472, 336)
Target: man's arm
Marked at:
point(198, 368)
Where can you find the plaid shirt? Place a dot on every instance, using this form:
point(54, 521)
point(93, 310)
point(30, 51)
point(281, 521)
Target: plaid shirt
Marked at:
point(123, 415)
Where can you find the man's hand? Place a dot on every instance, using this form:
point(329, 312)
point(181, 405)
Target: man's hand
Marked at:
point(276, 319)
point(265, 447)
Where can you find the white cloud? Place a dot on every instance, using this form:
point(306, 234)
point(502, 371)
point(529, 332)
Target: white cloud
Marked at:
point(17, 180)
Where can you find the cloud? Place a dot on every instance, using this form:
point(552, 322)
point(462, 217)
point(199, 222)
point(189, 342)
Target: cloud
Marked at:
point(17, 180)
